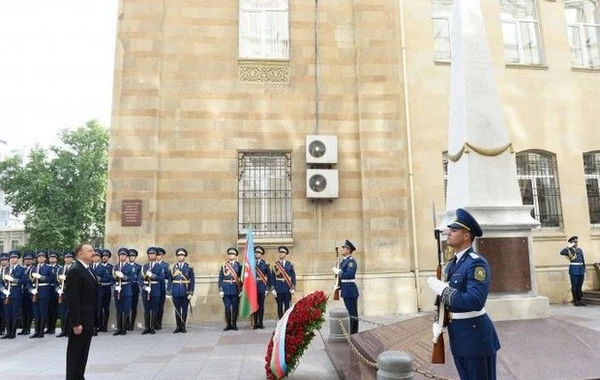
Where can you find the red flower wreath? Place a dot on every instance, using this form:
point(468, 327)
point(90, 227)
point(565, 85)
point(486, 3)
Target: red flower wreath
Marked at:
point(307, 316)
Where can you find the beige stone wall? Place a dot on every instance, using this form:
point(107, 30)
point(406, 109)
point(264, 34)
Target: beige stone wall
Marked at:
point(181, 114)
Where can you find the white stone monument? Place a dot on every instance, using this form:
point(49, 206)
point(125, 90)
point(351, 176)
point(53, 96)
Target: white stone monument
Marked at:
point(482, 175)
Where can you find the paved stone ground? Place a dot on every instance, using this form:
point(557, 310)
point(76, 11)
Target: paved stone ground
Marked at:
point(207, 352)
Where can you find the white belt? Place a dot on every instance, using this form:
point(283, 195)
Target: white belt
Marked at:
point(348, 280)
point(468, 314)
point(576, 263)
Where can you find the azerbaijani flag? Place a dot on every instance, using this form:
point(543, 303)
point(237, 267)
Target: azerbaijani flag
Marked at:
point(277, 363)
point(249, 301)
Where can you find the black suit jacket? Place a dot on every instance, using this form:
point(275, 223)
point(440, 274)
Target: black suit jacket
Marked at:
point(81, 297)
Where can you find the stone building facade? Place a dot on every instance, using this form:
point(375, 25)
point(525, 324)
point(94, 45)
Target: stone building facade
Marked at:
point(208, 92)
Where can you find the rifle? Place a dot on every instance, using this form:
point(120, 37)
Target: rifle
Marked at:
point(336, 292)
point(62, 287)
point(37, 285)
point(438, 353)
point(7, 285)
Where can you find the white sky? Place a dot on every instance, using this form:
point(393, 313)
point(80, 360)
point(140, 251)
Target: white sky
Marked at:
point(56, 67)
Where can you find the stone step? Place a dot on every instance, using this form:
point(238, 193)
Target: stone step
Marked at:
point(591, 297)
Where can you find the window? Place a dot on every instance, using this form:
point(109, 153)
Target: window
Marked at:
point(591, 164)
point(536, 172)
point(264, 29)
point(265, 194)
point(441, 17)
point(14, 244)
point(520, 32)
point(583, 31)
point(1, 245)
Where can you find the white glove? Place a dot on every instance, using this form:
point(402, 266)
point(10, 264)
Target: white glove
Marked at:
point(240, 295)
point(336, 270)
point(571, 245)
point(274, 292)
point(436, 285)
point(190, 296)
point(6, 292)
point(222, 294)
point(34, 291)
point(149, 273)
point(437, 331)
point(119, 274)
point(8, 277)
point(36, 275)
point(147, 288)
point(59, 291)
point(266, 293)
point(117, 288)
point(62, 277)
point(292, 291)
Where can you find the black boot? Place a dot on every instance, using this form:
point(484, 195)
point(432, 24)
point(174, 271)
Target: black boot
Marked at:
point(153, 317)
point(575, 298)
point(132, 321)
point(26, 326)
point(158, 323)
point(125, 325)
point(234, 320)
point(119, 325)
point(8, 327)
point(42, 324)
point(146, 323)
point(228, 320)
point(105, 315)
point(178, 322)
point(579, 295)
point(13, 332)
point(183, 319)
point(36, 327)
point(261, 313)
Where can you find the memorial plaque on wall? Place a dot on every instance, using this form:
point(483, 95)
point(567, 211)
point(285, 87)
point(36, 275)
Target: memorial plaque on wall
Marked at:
point(509, 262)
point(131, 213)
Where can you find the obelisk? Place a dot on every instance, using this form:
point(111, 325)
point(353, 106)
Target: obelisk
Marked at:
point(482, 175)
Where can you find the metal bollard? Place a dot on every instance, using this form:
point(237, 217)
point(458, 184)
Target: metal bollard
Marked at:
point(393, 365)
point(335, 330)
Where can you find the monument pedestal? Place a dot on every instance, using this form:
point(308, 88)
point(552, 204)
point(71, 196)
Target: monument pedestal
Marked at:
point(506, 308)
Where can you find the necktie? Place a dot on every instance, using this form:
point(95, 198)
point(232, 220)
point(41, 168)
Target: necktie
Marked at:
point(91, 273)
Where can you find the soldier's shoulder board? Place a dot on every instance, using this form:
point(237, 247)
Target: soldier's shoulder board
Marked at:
point(473, 255)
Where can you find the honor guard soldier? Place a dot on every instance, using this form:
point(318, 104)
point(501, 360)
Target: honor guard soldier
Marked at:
point(263, 283)
point(26, 302)
point(122, 276)
point(347, 283)
point(41, 286)
point(106, 282)
point(97, 270)
point(61, 287)
point(229, 287)
point(13, 277)
point(473, 338)
point(576, 268)
point(163, 286)
point(53, 258)
point(181, 288)
point(3, 266)
point(150, 279)
point(283, 280)
point(135, 287)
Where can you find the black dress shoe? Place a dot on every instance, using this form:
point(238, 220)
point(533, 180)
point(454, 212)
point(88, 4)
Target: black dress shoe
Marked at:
point(62, 334)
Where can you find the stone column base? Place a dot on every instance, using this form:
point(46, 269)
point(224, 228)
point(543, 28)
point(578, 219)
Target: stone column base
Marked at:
point(518, 307)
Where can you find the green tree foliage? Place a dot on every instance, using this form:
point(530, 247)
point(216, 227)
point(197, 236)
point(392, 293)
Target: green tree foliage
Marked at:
point(61, 190)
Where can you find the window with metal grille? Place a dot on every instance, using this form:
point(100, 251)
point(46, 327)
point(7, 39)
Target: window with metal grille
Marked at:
point(591, 165)
point(265, 194)
point(520, 31)
point(537, 175)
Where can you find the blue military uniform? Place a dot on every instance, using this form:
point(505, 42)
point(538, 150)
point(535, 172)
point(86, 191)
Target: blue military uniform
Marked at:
point(163, 287)
point(3, 266)
point(135, 287)
point(41, 285)
point(473, 338)
point(61, 287)
point(263, 283)
point(98, 270)
point(283, 278)
point(576, 269)
point(26, 301)
point(11, 286)
point(181, 287)
point(123, 275)
point(229, 287)
point(152, 275)
point(106, 280)
point(347, 285)
point(53, 304)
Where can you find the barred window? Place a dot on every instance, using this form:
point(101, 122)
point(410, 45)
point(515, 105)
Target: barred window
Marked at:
point(441, 19)
point(265, 194)
point(264, 29)
point(591, 164)
point(583, 31)
point(537, 175)
point(520, 31)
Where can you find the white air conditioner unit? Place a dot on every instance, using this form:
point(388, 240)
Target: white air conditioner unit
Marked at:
point(321, 149)
point(322, 183)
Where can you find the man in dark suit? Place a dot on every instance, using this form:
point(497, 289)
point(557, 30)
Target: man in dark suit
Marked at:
point(81, 296)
